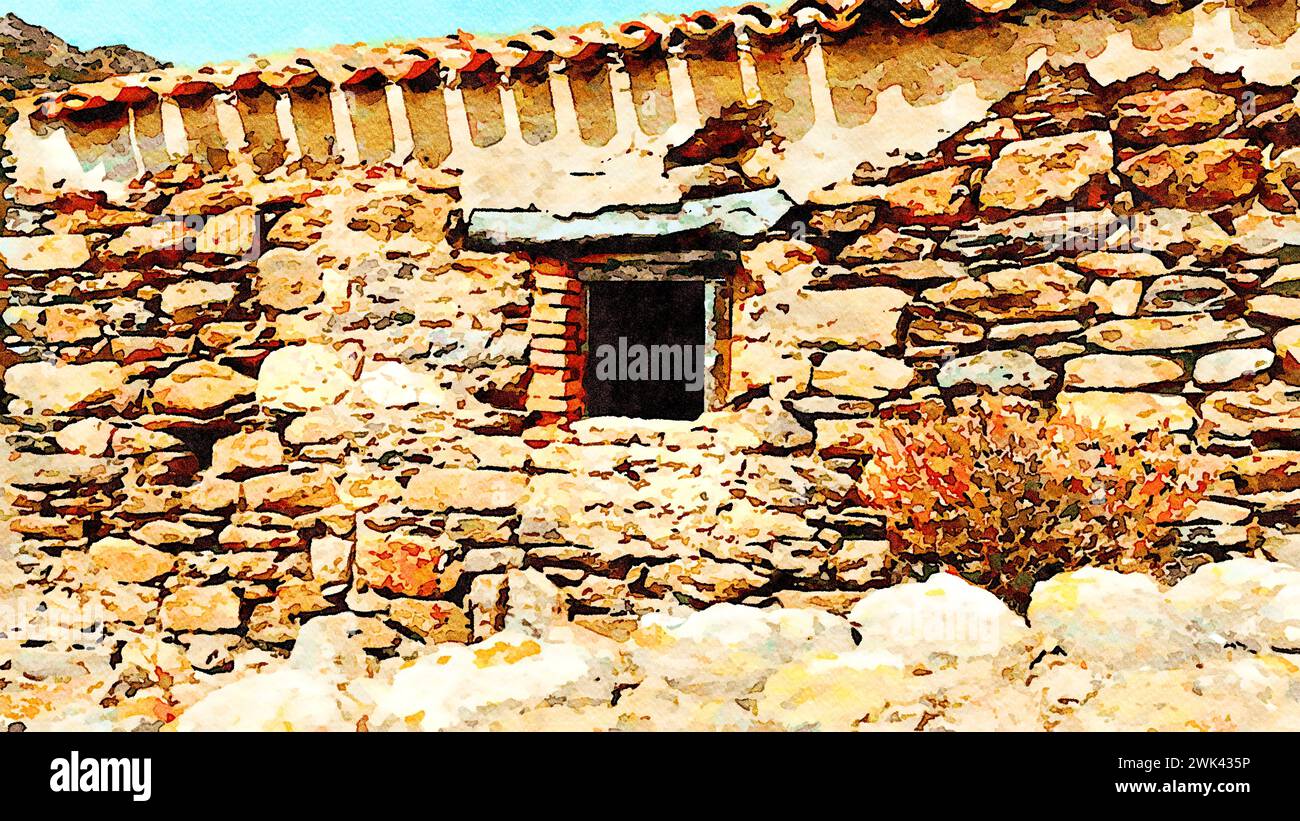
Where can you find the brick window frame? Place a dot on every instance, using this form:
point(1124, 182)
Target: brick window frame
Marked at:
point(557, 332)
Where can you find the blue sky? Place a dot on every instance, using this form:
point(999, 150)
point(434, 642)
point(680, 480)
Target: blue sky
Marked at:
point(189, 33)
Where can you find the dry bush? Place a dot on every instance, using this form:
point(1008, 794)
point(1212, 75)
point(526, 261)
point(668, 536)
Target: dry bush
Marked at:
point(1007, 494)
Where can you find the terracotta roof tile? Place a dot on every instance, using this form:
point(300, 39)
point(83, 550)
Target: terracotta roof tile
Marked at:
point(351, 65)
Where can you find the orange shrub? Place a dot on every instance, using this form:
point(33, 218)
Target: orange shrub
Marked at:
point(1007, 494)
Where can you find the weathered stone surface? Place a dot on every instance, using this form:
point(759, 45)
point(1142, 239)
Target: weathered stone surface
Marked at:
point(250, 451)
point(943, 616)
point(1119, 371)
point(434, 621)
point(1180, 294)
point(303, 378)
point(915, 270)
point(1176, 116)
point(287, 279)
point(1222, 367)
point(1038, 291)
point(58, 528)
point(1286, 343)
point(87, 437)
point(129, 561)
point(865, 317)
point(293, 492)
point(1035, 330)
point(865, 374)
point(857, 217)
point(1267, 470)
point(299, 228)
point(1032, 173)
point(331, 559)
point(48, 388)
point(1249, 602)
point(1115, 297)
point(200, 387)
point(406, 565)
point(246, 537)
point(129, 350)
point(886, 245)
point(1281, 182)
point(703, 580)
point(232, 233)
point(1200, 177)
point(1271, 407)
point(1111, 618)
point(56, 323)
point(997, 371)
point(1137, 412)
point(48, 252)
point(1169, 332)
point(446, 489)
point(200, 609)
point(782, 368)
point(1274, 306)
point(940, 196)
point(1121, 264)
point(180, 299)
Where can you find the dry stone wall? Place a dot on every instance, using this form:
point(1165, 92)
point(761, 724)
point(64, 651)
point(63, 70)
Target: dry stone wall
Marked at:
point(305, 393)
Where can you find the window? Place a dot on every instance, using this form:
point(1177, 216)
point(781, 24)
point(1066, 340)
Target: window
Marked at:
point(648, 349)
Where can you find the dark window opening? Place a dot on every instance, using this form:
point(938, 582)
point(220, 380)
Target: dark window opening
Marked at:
point(646, 349)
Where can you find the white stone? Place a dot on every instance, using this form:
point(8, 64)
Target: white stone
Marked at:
point(1117, 619)
point(944, 615)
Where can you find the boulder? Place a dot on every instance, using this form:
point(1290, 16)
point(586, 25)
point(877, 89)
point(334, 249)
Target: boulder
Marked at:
point(1172, 117)
point(200, 387)
point(997, 371)
point(460, 687)
point(337, 644)
point(279, 701)
point(201, 609)
point(945, 615)
point(1047, 170)
point(51, 389)
point(128, 561)
point(287, 279)
point(864, 374)
point(1120, 371)
point(726, 649)
point(303, 378)
point(1244, 601)
point(1200, 176)
point(1222, 367)
point(1117, 619)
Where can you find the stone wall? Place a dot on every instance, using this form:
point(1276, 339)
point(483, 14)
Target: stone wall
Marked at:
point(322, 400)
point(306, 393)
